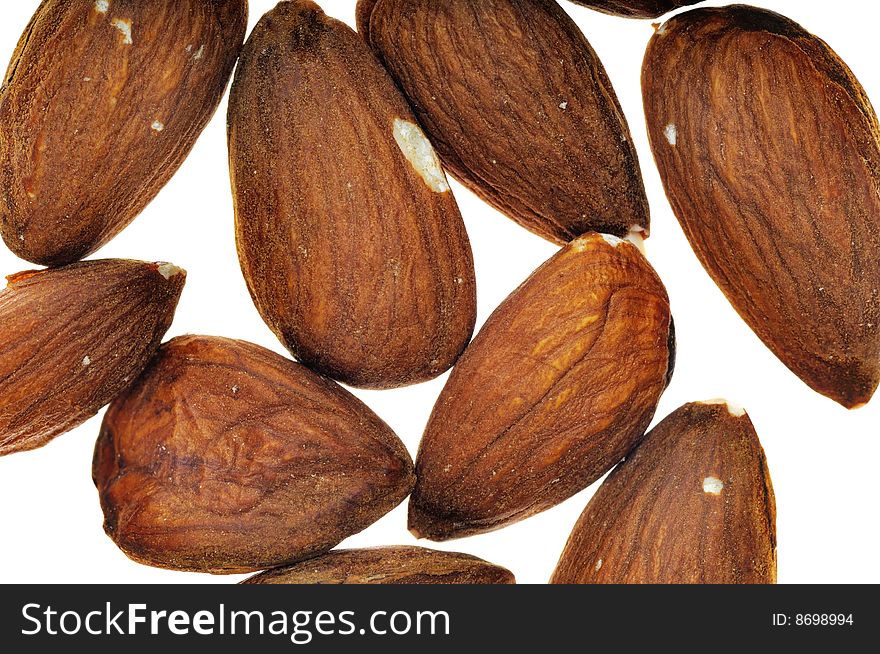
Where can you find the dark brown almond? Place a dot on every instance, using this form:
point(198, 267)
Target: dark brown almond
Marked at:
point(519, 108)
point(101, 104)
point(388, 565)
point(225, 457)
point(74, 338)
point(348, 235)
point(768, 149)
point(635, 8)
point(693, 505)
point(558, 386)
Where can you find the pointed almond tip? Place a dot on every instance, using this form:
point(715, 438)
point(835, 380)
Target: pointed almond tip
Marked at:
point(416, 521)
point(851, 383)
point(853, 403)
point(860, 397)
point(425, 525)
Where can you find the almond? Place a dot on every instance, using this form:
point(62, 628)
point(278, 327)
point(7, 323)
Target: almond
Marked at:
point(635, 8)
point(74, 338)
point(519, 108)
point(225, 457)
point(768, 149)
point(693, 504)
point(101, 104)
point(349, 237)
point(560, 383)
point(388, 565)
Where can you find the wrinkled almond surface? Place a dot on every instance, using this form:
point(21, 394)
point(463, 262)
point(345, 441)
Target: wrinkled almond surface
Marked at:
point(560, 383)
point(692, 505)
point(75, 337)
point(388, 565)
point(519, 108)
point(101, 103)
point(226, 457)
point(348, 235)
point(768, 149)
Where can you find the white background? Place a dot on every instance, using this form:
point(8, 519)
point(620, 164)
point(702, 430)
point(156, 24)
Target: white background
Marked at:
point(823, 459)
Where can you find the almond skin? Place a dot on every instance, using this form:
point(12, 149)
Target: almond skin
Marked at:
point(349, 237)
point(768, 149)
point(635, 8)
point(388, 565)
point(101, 104)
point(693, 505)
point(225, 457)
point(519, 108)
point(561, 382)
point(74, 338)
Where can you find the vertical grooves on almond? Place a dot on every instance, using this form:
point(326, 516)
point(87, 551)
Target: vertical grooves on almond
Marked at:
point(769, 152)
point(560, 383)
point(348, 235)
point(693, 504)
point(519, 108)
point(101, 104)
point(74, 338)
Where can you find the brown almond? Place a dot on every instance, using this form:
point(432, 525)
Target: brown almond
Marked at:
point(349, 237)
point(768, 149)
point(693, 505)
point(558, 386)
point(101, 104)
point(388, 565)
point(225, 457)
point(635, 8)
point(519, 108)
point(74, 338)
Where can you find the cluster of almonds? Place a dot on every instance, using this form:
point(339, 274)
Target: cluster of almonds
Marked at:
point(219, 456)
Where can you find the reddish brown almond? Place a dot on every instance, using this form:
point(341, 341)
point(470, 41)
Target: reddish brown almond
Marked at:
point(388, 565)
point(519, 108)
point(692, 505)
point(768, 148)
point(561, 382)
point(101, 104)
point(348, 235)
point(73, 339)
point(225, 457)
point(635, 8)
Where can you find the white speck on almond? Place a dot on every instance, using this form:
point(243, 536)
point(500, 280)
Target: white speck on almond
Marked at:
point(671, 134)
point(736, 410)
point(157, 126)
point(102, 6)
point(420, 153)
point(124, 26)
point(611, 240)
point(563, 105)
point(713, 486)
point(86, 362)
point(168, 270)
point(199, 53)
point(598, 565)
